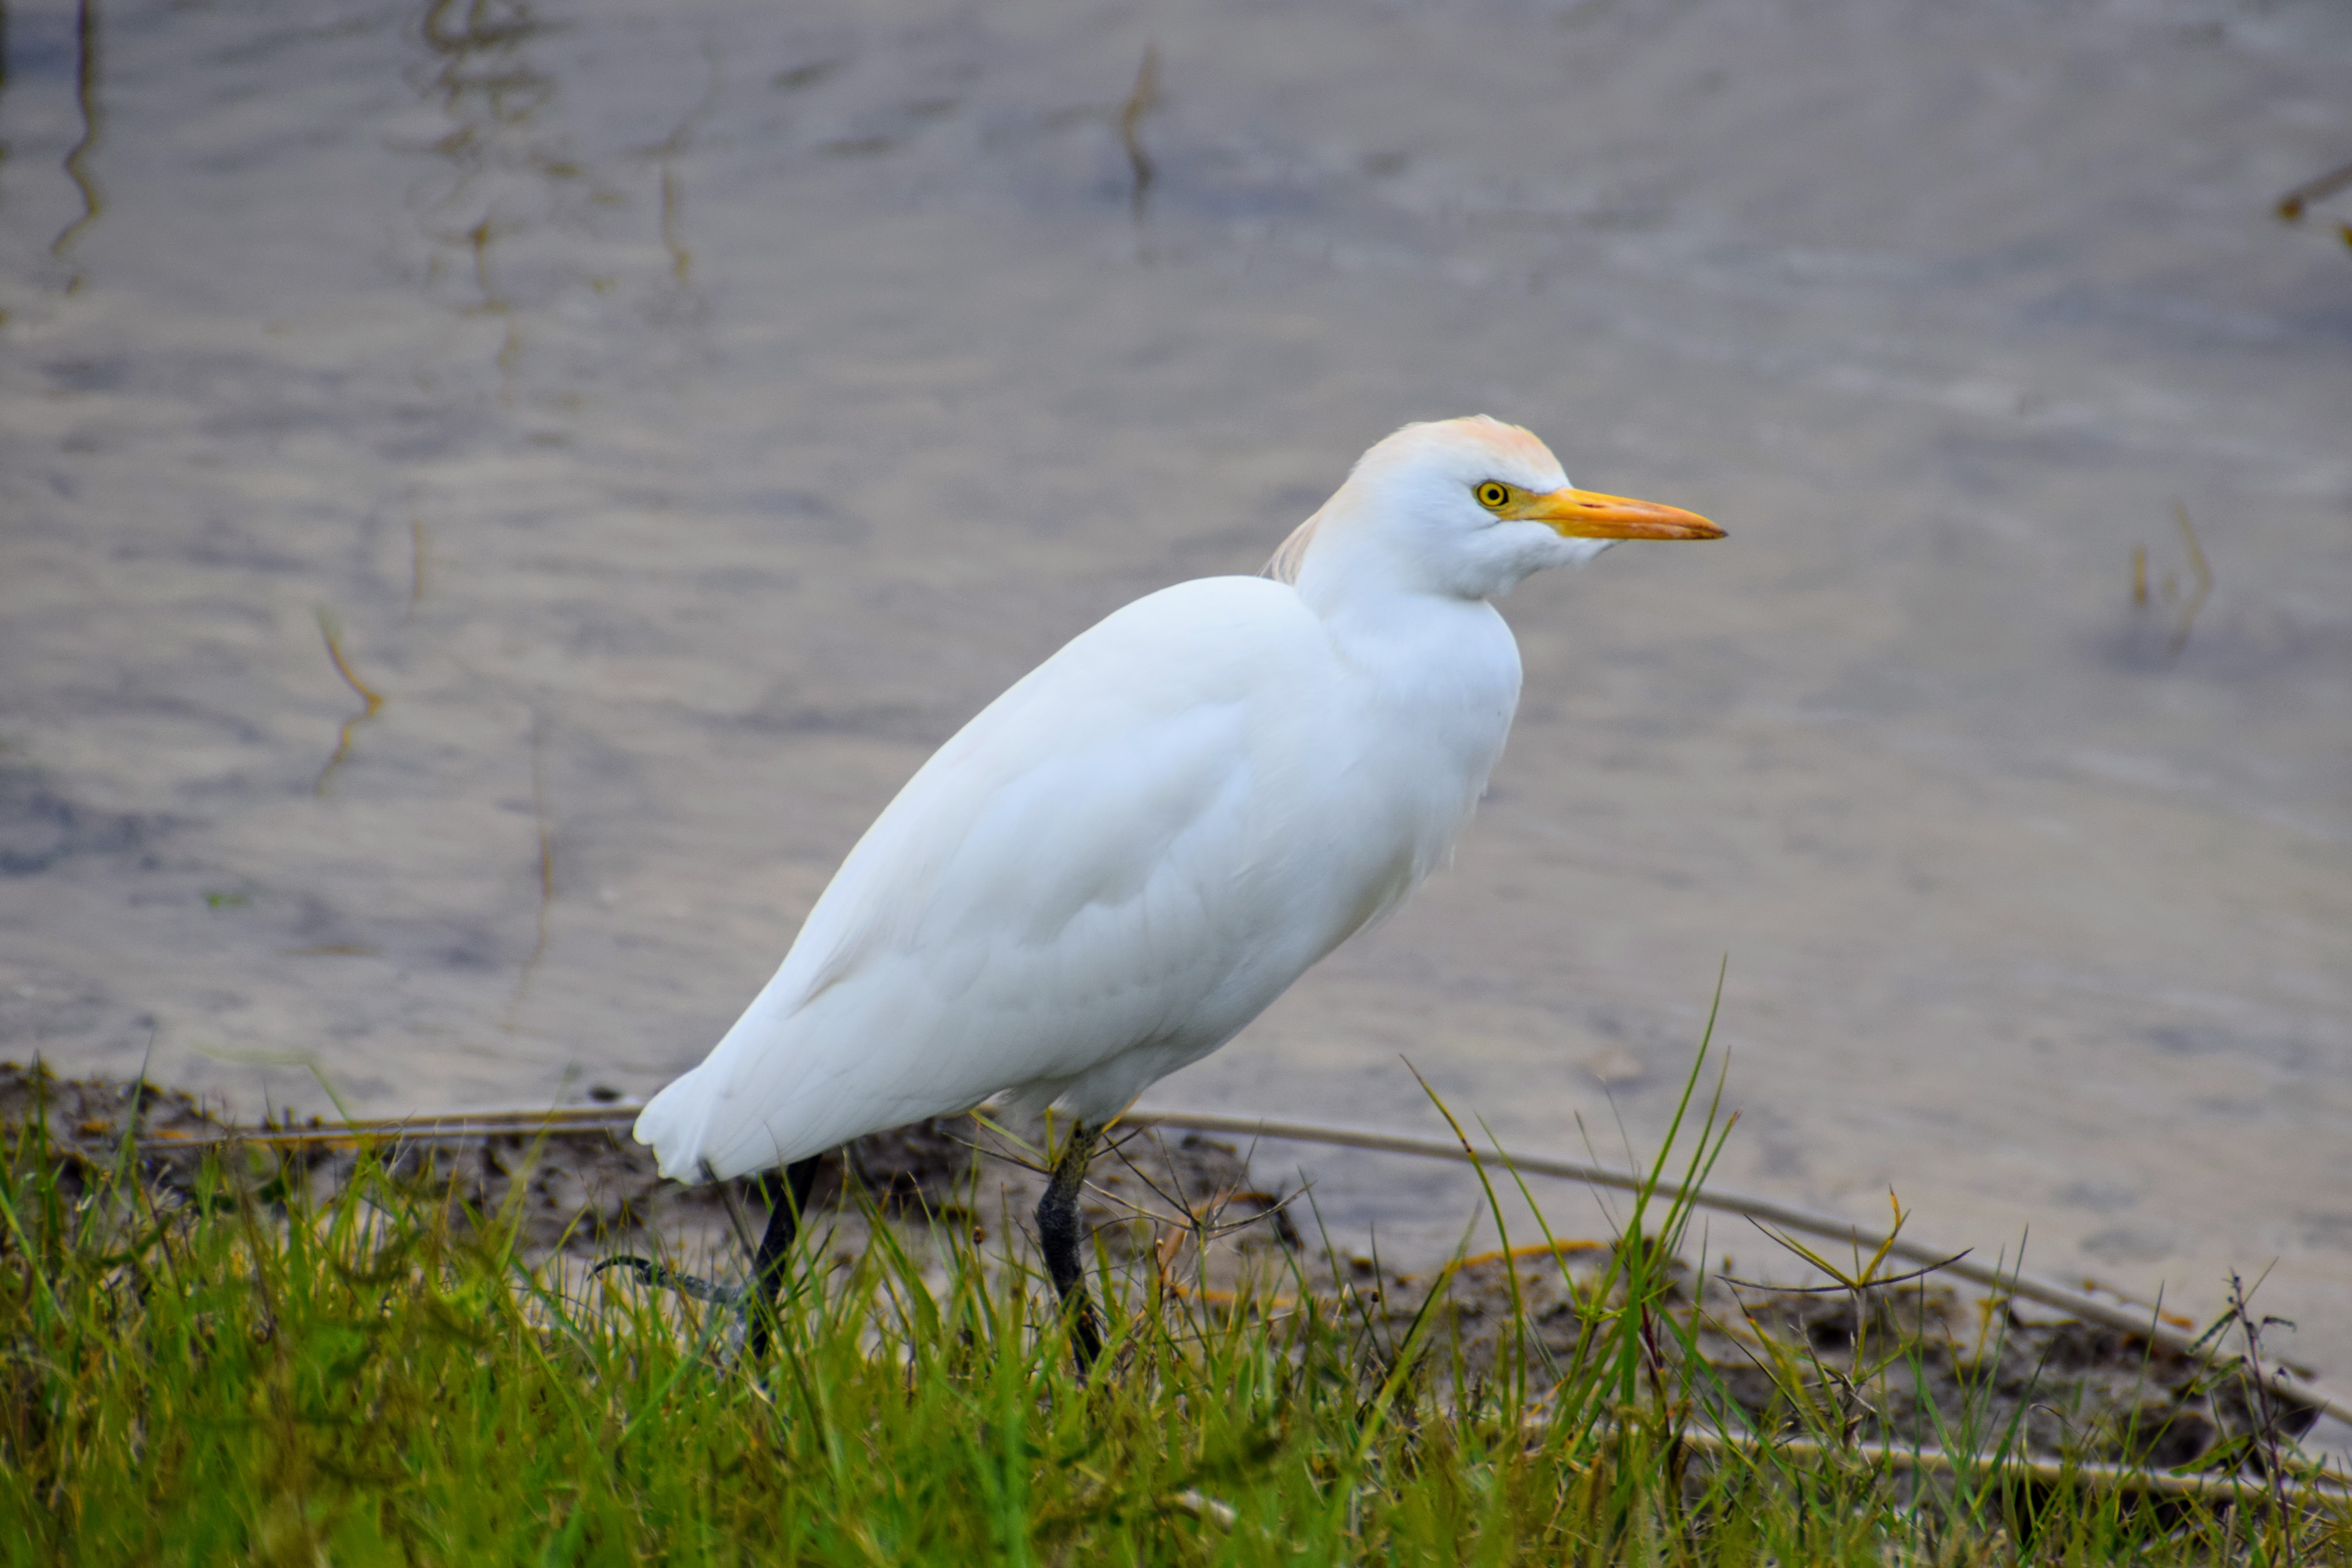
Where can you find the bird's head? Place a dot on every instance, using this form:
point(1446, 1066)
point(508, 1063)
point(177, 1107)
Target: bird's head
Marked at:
point(1466, 506)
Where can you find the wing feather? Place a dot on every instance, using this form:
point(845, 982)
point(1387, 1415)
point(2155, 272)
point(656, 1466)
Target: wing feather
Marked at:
point(1093, 864)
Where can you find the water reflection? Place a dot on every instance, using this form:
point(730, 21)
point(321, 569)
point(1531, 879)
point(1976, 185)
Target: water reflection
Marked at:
point(1140, 104)
point(481, 79)
point(76, 163)
point(517, 213)
point(665, 155)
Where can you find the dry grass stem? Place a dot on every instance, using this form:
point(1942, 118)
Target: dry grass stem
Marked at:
point(417, 553)
point(2291, 205)
point(373, 700)
point(1141, 103)
point(2204, 576)
point(546, 859)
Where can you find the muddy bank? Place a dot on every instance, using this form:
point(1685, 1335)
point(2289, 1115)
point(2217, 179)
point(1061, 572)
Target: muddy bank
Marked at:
point(1916, 1363)
point(587, 1195)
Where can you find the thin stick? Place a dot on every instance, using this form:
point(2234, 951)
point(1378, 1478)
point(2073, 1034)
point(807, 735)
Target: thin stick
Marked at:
point(77, 161)
point(546, 857)
point(373, 700)
point(2204, 582)
point(1141, 103)
point(417, 571)
point(673, 189)
point(2291, 205)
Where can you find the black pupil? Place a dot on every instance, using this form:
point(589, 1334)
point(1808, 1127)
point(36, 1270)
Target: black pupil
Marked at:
point(1494, 495)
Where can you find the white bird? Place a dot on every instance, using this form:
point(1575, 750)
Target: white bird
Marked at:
point(1130, 854)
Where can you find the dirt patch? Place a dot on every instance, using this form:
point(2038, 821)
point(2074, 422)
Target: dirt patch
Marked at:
point(1917, 1363)
point(589, 1192)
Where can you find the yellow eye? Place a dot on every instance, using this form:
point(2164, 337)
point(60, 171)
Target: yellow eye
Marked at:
point(1494, 496)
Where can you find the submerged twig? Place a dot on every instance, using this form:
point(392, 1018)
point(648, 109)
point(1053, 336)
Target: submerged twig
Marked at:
point(329, 629)
point(76, 161)
point(1141, 103)
point(416, 568)
point(2201, 585)
point(2204, 583)
point(546, 856)
point(2291, 204)
point(673, 189)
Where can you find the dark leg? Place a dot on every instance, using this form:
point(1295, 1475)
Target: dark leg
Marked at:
point(788, 1198)
point(1058, 1235)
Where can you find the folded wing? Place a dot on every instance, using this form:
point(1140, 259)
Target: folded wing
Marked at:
point(1106, 863)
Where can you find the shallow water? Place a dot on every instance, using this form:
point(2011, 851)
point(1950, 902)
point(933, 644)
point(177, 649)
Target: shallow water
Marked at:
point(686, 416)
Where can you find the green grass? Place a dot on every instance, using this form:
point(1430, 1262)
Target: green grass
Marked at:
point(232, 1372)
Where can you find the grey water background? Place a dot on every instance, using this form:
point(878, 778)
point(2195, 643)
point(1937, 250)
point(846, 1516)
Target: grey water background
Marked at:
point(686, 415)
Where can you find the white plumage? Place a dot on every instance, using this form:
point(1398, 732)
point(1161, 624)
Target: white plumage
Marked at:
point(1126, 857)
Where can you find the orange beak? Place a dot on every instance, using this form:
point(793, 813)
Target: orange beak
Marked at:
point(1587, 514)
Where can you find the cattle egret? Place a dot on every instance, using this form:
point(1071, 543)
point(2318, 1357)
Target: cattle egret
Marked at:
point(1131, 853)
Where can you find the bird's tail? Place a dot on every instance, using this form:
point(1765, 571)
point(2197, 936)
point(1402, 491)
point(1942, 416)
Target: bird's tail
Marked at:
point(676, 1123)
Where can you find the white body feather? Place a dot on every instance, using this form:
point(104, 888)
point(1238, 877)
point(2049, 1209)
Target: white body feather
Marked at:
point(1110, 871)
point(1123, 859)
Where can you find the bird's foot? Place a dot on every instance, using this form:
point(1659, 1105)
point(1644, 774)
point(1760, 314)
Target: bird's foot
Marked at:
point(662, 1277)
point(1086, 1334)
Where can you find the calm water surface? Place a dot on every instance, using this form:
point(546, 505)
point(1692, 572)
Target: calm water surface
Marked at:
point(684, 415)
